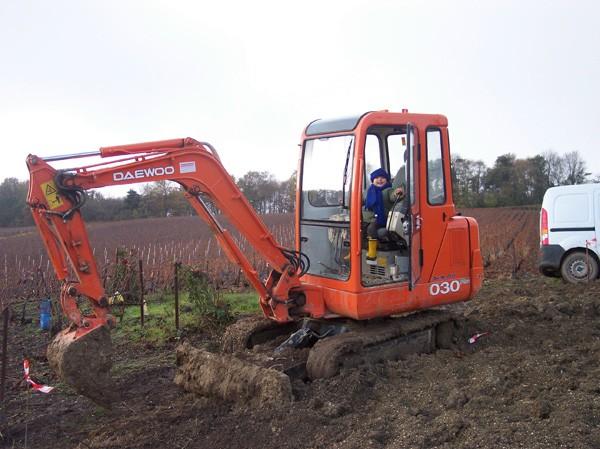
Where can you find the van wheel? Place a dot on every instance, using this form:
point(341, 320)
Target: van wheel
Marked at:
point(577, 267)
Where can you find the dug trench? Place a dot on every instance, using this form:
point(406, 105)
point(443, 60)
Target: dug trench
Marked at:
point(532, 381)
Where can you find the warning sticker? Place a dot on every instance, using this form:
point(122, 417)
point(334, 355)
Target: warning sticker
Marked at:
point(51, 194)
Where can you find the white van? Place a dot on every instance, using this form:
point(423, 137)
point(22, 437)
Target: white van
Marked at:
point(569, 220)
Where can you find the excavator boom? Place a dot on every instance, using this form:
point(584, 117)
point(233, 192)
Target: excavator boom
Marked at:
point(56, 196)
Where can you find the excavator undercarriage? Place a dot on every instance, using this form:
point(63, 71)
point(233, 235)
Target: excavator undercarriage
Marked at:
point(255, 349)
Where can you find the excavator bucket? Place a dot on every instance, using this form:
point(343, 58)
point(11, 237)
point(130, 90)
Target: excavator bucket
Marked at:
point(84, 363)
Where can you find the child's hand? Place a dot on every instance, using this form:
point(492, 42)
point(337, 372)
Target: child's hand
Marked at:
point(399, 191)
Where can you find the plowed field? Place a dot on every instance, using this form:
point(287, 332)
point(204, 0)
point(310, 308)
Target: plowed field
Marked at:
point(509, 244)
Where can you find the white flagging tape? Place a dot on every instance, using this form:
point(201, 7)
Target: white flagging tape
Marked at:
point(30, 381)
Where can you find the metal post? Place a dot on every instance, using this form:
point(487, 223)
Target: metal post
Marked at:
point(176, 266)
point(587, 261)
point(4, 354)
point(141, 292)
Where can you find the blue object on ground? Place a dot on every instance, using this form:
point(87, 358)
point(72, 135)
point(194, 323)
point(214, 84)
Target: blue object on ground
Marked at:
point(45, 314)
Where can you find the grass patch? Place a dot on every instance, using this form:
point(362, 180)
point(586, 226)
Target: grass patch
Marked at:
point(241, 303)
point(159, 319)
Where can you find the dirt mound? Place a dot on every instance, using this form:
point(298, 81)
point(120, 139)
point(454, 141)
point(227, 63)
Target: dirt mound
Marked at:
point(250, 331)
point(230, 378)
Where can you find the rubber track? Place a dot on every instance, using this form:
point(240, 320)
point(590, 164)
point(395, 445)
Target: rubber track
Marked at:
point(329, 355)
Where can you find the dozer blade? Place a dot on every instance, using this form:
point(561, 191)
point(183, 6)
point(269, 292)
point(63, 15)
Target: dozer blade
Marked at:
point(84, 362)
point(230, 378)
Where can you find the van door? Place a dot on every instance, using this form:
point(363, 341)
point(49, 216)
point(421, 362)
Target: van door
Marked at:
point(572, 217)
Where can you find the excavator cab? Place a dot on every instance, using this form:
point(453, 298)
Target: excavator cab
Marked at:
point(424, 240)
point(327, 194)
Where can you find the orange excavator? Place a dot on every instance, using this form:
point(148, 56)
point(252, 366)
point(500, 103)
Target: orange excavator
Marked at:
point(427, 255)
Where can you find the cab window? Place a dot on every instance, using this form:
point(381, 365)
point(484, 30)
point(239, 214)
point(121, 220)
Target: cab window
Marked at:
point(372, 158)
point(397, 153)
point(396, 144)
point(436, 190)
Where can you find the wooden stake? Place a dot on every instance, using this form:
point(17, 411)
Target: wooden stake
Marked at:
point(141, 292)
point(4, 354)
point(176, 267)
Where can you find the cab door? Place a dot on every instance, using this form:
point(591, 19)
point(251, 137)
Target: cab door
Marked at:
point(415, 221)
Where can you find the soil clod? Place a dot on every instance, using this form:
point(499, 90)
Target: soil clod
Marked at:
point(84, 363)
point(230, 378)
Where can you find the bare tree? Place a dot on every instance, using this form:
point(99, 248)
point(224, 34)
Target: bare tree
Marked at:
point(555, 168)
point(575, 168)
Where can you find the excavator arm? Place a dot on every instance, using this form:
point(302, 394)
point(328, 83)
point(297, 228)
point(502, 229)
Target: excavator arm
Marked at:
point(56, 197)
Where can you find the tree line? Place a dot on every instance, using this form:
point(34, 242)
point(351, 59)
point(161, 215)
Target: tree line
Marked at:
point(509, 182)
point(159, 199)
point(515, 182)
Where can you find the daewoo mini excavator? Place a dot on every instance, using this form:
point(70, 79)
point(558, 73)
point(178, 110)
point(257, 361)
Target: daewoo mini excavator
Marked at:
point(348, 307)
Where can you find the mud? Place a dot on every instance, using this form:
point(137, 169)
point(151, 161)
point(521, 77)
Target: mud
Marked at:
point(532, 382)
point(250, 331)
point(229, 378)
point(85, 363)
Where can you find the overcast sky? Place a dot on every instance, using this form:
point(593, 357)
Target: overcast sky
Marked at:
point(511, 76)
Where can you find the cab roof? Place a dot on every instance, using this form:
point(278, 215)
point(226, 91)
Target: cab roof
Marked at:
point(349, 123)
point(334, 125)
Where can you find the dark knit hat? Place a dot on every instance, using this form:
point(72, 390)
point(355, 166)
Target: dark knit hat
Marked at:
point(380, 172)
